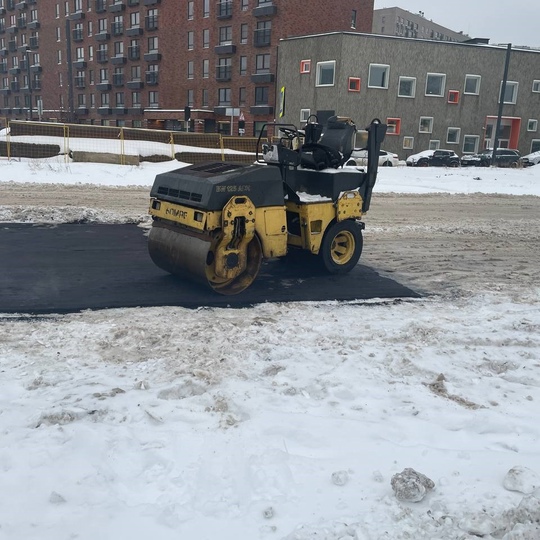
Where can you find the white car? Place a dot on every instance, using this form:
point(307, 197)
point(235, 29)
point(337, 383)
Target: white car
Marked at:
point(531, 159)
point(413, 159)
point(359, 157)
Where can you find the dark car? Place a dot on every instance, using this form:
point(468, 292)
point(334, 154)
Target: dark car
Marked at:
point(439, 158)
point(504, 158)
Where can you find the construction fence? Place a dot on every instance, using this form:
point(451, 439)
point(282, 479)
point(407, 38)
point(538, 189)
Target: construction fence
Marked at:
point(119, 145)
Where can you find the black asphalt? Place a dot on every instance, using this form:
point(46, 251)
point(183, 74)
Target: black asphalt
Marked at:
point(72, 267)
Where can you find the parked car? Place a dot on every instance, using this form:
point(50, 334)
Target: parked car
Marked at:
point(531, 159)
point(434, 158)
point(504, 158)
point(359, 157)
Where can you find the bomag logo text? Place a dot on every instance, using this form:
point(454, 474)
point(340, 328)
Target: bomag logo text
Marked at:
point(182, 214)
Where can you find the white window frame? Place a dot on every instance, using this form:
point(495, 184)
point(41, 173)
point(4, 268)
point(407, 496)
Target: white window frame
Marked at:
point(430, 122)
point(455, 130)
point(320, 67)
point(413, 79)
point(536, 86)
point(434, 144)
point(443, 84)
point(535, 145)
point(408, 143)
point(478, 80)
point(467, 138)
point(304, 115)
point(387, 76)
point(532, 124)
point(511, 84)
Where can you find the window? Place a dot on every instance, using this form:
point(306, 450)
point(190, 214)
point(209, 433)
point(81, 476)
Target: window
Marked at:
point(426, 124)
point(204, 97)
point(153, 44)
point(532, 125)
point(393, 126)
point(354, 84)
point(407, 87)
point(103, 75)
point(243, 65)
point(353, 19)
point(242, 96)
point(510, 92)
point(190, 97)
point(135, 19)
point(205, 68)
point(453, 96)
point(435, 83)
point(190, 69)
point(378, 76)
point(206, 8)
point(535, 145)
point(408, 143)
point(153, 99)
point(452, 135)
point(135, 73)
point(244, 5)
point(119, 99)
point(304, 115)
point(102, 26)
point(261, 95)
point(206, 38)
point(104, 100)
point(190, 9)
point(244, 33)
point(434, 144)
point(470, 144)
point(119, 48)
point(325, 73)
point(190, 40)
point(225, 35)
point(262, 63)
point(536, 87)
point(224, 96)
point(472, 84)
point(305, 66)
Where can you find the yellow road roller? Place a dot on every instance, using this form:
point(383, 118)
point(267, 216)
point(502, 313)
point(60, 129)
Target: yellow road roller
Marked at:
point(215, 222)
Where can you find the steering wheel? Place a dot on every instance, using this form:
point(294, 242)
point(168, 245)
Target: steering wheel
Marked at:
point(289, 133)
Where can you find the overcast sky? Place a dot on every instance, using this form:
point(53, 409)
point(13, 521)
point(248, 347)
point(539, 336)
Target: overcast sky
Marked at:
point(515, 22)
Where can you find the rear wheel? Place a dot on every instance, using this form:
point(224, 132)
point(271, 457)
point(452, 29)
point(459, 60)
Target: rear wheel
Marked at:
point(423, 163)
point(341, 247)
point(387, 164)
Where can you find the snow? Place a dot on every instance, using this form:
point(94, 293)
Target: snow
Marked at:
point(281, 421)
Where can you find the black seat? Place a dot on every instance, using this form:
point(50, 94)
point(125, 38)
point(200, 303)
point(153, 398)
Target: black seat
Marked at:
point(332, 149)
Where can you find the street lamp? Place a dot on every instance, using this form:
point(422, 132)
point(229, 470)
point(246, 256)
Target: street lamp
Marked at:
point(27, 54)
point(501, 104)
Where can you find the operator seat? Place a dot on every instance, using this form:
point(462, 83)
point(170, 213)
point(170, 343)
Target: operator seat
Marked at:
point(332, 149)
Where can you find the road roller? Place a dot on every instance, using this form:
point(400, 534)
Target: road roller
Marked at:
point(215, 222)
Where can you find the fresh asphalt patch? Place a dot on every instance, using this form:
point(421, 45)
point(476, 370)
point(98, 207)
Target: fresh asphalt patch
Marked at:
point(72, 267)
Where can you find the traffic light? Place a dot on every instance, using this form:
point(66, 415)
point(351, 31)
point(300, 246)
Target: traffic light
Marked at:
point(241, 124)
point(187, 113)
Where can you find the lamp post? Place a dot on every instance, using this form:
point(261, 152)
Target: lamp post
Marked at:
point(27, 53)
point(501, 104)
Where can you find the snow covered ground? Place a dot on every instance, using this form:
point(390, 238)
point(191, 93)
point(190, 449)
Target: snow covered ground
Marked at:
point(280, 421)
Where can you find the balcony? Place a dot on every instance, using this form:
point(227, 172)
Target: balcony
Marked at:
point(224, 9)
point(151, 78)
point(14, 70)
point(79, 64)
point(80, 82)
point(3, 52)
point(21, 22)
point(135, 85)
point(77, 34)
point(12, 30)
point(5, 91)
point(14, 86)
point(223, 73)
point(117, 7)
point(262, 78)
point(117, 28)
point(101, 6)
point(133, 2)
point(262, 38)
point(153, 56)
point(81, 110)
point(33, 42)
point(36, 68)
point(36, 84)
point(134, 31)
point(77, 16)
point(104, 86)
point(33, 25)
point(225, 48)
point(259, 110)
point(12, 46)
point(266, 10)
point(102, 36)
point(104, 110)
point(118, 79)
point(21, 5)
point(134, 52)
point(102, 57)
point(120, 109)
point(151, 2)
point(151, 23)
point(118, 60)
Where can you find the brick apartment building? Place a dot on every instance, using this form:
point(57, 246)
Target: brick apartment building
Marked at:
point(197, 64)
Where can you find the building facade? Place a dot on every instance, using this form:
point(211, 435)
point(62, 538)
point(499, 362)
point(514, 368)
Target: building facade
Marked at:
point(202, 65)
point(399, 22)
point(431, 94)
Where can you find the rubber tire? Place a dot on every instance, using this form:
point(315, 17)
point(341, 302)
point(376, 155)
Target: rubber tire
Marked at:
point(352, 232)
point(387, 164)
point(423, 163)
